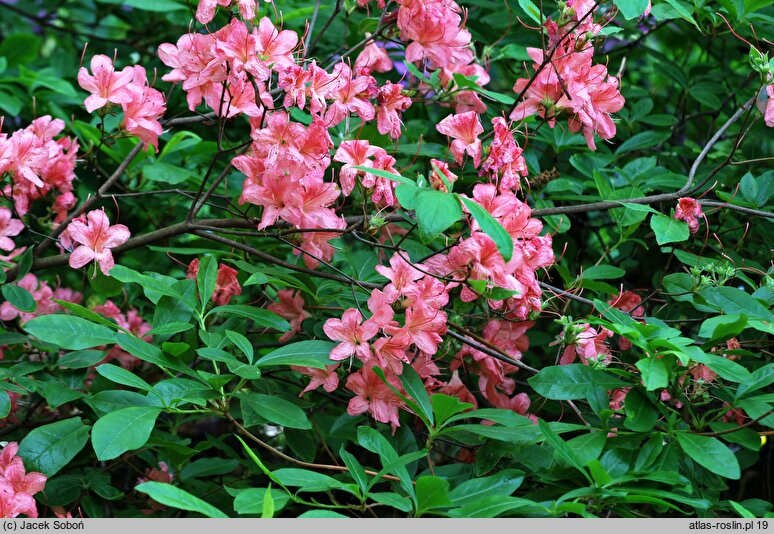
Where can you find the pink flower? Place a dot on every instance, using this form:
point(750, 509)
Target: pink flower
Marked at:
point(143, 111)
point(629, 302)
point(96, 237)
point(588, 344)
point(353, 153)
point(17, 486)
point(373, 58)
point(689, 210)
point(353, 335)
point(275, 47)
point(351, 95)
point(373, 396)
point(401, 274)
point(206, 10)
point(290, 307)
point(464, 129)
point(327, 378)
point(391, 103)
point(505, 161)
point(226, 284)
point(424, 327)
point(106, 85)
point(768, 116)
point(434, 28)
point(9, 227)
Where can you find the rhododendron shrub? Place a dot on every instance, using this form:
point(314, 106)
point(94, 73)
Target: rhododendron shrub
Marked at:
point(392, 255)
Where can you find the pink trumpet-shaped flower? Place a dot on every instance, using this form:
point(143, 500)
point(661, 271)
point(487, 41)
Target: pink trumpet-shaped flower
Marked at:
point(96, 237)
point(353, 335)
point(689, 210)
point(9, 227)
point(464, 129)
point(106, 85)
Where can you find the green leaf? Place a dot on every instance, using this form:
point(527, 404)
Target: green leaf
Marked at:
point(732, 300)
point(19, 298)
point(158, 171)
point(646, 139)
point(602, 272)
point(206, 467)
point(322, 514)
point(384, 174)
point(89, 315)
point(260, 316)
point(561, 449)
point(710, 453)
point(503, 483)
point(654, 373)
point(20, 48)
point(436, 211)
point(303, 353)
point(123, 430)
point(69, 332)
point(574, 381)
point(251, 500)
point(355, 470)
point(669, 230)
point(242, 344)
point(370, 439)
point(119, 375)
point(415, 388)
point(174, 497)
point(267, 510)
point(171, 328)
point(161, 6)
point(272, 409)
point(432, 492)
point(51, 447)
point(641, 414)
point(491, 227)
point(5, 404)
point(206, 278)
point(446, 406)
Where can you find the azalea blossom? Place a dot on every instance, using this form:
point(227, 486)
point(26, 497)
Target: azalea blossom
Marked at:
point(689, 210)
point(768, 115)
point(105, 84)
point(9, 227)
point(586, 343)
point(353, 333)
point(327, 378)
point(17, 487)
point(464, 129)
point(373, 396)
point(96, 237)
point(290, 307)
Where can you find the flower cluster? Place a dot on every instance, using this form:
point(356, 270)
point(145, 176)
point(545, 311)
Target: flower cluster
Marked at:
point(38, 165)
point(478, 258)
point(17, 487)
point(384, 342)
point(142, 105)
point(567, 82)
point(226, 284)
point(226, 67)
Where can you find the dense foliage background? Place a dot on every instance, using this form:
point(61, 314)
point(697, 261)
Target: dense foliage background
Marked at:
point(626, 373)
